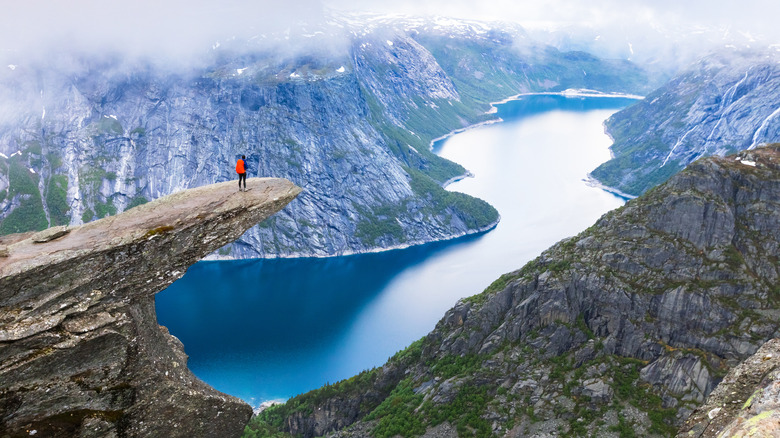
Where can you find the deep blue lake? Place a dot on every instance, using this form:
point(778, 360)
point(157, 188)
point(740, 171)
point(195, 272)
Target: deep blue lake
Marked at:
point(271, 329)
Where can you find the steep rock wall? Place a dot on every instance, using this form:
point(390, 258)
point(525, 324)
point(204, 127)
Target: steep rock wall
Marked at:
point(628, 326)
point(724, 103)
point(745, 403)
point(81, 353)
point(353, 128)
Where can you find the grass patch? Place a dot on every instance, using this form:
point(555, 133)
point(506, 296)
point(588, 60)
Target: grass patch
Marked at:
point(624, 429)
point(410, 354)
point(56, 200)
point(379, 223)
point(451, 365)
point(474, 212)
point(395, 413)
point(464, 412)
point(87, 215)
point(734, 258)
point(103, 209)
point(271, 422)
point(23, 186)
point(629, 389)
point(496, 286)
point(136, 201)
point(28, 216)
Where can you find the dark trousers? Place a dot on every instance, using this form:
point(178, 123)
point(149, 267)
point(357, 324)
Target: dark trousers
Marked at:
point(241, 177)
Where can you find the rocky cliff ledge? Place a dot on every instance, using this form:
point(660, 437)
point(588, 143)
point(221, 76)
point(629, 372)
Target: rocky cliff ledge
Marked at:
point(746, 403)
point(623, 330)
point(81, 353)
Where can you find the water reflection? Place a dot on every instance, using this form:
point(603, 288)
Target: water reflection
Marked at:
point(266, 329)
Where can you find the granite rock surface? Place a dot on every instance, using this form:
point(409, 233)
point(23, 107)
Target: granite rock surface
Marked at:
point(81, 353)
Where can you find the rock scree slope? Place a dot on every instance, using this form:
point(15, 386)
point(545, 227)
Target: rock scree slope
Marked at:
point(81, 353)
point(746, 403)
point(628, 326)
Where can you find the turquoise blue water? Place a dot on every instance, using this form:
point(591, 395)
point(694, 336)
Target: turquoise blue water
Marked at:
point(271, 329)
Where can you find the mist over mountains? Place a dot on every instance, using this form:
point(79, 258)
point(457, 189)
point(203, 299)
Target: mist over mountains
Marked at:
point(626, 327)
point(351, 124)
point(117, 116)
point(726, 102)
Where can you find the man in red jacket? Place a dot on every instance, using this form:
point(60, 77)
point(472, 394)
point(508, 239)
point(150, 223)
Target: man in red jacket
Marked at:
point(241, 171)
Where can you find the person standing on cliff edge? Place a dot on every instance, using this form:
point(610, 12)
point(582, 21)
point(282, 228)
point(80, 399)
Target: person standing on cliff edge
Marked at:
point(241, 171)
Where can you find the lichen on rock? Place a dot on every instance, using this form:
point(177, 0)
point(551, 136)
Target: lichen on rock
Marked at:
point(746, 403)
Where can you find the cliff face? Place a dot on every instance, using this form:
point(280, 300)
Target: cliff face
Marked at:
point(724, 103)
point(81, 353)
point(352, 127)
point(745, 403)
point(627, 326)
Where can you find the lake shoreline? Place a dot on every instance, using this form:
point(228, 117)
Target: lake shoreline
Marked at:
point(593, 182)
point(473, 232)
point(324, 319)
point(569, 93)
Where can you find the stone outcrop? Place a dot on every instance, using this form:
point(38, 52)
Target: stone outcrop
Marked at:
point(746, 403)
point(81, 353)
point(628, 326)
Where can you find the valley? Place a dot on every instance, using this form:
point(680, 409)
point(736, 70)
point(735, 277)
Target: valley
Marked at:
point(627, 290)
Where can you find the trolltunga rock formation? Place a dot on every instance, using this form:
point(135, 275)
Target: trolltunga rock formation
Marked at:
point(81, 353)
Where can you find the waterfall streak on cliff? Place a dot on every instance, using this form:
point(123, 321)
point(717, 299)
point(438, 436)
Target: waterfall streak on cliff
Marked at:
point(763, 127)
point(73, 194)
point(726, 102)
point(679, 142)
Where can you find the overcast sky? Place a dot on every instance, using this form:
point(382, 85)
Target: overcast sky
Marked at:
point(760, 15)
point(184, 27)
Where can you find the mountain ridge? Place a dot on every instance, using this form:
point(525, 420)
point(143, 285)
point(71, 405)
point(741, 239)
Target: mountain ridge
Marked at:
point(724, 103)
point(627, 326)
point(353, 128)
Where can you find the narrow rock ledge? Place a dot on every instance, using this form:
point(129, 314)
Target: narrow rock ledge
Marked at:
point(81, 353)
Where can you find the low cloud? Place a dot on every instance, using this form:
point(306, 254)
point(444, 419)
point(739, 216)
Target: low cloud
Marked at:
point(184, 32)
point(668, 32)
point(754, 16)
point(175, 31)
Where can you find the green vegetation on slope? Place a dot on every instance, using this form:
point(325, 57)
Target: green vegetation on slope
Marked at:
point(56, 200)
point(582, 341)
point(136, 201)
point(380, 222)
point(423, 122)
point(632, 170)
point(271, 422)
point(365, 387)
point(384, 222)
point(426, 124)
point(474, 212)
point(23, 187)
